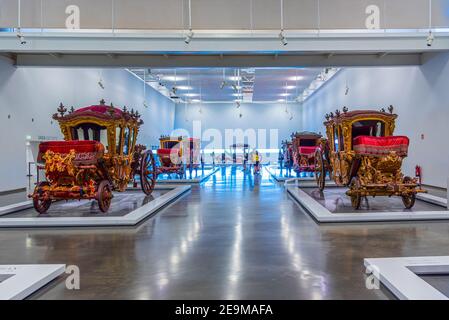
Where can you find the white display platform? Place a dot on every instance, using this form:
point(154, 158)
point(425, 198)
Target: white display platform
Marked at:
point(439, 201)
point(26, 279)
point(130, 219)
point(197, 180)
point(401, 275)
point(283, 179)
point(322, 214)
point(15, 207)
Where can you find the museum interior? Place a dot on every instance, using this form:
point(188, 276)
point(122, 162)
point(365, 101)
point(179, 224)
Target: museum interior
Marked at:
point(224, 150)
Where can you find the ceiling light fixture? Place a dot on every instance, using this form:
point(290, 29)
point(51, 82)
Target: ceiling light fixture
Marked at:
point(296, 78)
point(235, 78)
point(289, 87)
point(183, 87)
point(191, 94)
point(223, 83)
point(21, 37)
point(172, 78)
point(281, 34)
point(282, 38)
point(189, 35)
point(430, 38)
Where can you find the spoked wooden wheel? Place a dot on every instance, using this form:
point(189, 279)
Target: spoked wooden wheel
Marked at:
point(148, 174)
point(104, 195)
point(320, 171)
point(409, 199)
point(356, 198)
point(41, 204)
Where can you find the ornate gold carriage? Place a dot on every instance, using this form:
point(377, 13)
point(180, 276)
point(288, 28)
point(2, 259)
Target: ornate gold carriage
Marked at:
point(99, 155)
point(362, 154)
point(177, 153)
point(304, 147)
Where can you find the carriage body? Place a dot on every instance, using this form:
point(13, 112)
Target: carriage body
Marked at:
point(99, 155)
point(304, 147)
point(361, 153)
point(177, 153)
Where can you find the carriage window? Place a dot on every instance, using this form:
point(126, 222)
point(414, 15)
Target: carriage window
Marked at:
point(104, 138)
point(307, 143)
point(336, 140)
point(131, 140)
point(90, 131)
point(126, 141)
point(170, 144)
point(375, 128)
point(118, 138)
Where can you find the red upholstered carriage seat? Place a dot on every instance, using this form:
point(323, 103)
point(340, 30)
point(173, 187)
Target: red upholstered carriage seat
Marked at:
point(167, 151)
point(85, 150)
point(307, 150)
point(381, 145)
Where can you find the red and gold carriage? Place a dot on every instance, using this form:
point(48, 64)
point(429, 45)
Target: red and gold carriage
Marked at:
point(362, 154)
point(99, 155)
point(177, 154)
point(304, 147)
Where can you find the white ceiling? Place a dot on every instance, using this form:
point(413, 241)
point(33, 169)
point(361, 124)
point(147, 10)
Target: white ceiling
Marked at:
point(265, 84)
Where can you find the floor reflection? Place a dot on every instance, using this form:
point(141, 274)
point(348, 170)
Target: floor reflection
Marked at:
point(237, 236)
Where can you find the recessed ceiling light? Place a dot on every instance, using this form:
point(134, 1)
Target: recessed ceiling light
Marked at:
point(284, 94)
point(191, 94)
point(172, 78)
point(289, 87)
point(183, 88)
point(296, 78)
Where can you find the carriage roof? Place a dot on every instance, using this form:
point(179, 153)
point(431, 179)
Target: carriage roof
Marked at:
point(306, 135)
point(346, 116)
point(101, 114)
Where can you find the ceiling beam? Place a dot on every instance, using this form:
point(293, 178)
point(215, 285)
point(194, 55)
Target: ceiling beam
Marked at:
point(222, 42)
point(160, 61)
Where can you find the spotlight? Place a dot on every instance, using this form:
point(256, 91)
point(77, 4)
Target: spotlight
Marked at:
point(430, 38)
point(21, 37)
point(282, 38)
point(223, 84)
point(189, 37)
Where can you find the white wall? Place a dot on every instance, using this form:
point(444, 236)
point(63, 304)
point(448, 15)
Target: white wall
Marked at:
point(27, 93)
point(226, 116)
point(420, 96)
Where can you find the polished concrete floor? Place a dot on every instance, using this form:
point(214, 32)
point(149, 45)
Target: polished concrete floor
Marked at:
point(233, 237)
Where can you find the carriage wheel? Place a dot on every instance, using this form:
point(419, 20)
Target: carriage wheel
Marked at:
point(320, 172)
point(356, 198)
point(148, 173)
point(104, 195)
point(409, 199)
point(40, 205)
